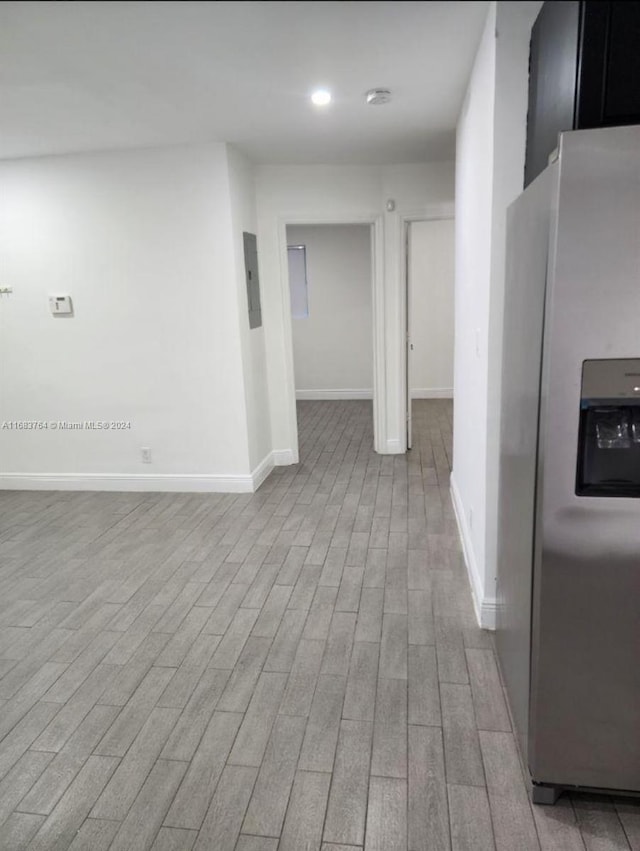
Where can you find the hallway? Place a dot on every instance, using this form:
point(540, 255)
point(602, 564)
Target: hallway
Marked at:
point(295, 670)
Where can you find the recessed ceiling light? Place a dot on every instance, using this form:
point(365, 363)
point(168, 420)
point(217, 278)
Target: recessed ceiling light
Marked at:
point(375, 97)
point(321, 97)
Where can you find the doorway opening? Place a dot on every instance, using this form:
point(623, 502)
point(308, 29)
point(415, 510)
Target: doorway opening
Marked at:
point(429, 277)
point(330, 270)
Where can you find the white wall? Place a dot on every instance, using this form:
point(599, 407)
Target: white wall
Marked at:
point(490, 147)
point(332, 346)
point(474, 187)
point(431, 308)
point(243, 218)
point(142, 242)
point(514, 23)
point(340, 194)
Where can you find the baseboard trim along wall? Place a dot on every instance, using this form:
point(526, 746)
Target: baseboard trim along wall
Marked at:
point(138, 482)
point(283, 457)
point(316, 395)
point(262, 471)
point(393, 446)
point(161, 482)
point(432, 393)
point(485, 607)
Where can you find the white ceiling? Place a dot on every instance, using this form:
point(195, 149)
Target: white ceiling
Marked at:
point(95, 75)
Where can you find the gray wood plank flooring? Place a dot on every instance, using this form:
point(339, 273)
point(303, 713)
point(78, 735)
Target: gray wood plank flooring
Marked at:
point(293, 670)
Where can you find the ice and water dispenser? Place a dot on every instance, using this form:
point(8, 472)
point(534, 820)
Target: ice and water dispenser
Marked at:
point(609, 436)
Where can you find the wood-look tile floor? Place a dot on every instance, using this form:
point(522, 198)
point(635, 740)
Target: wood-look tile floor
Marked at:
point(294, 670)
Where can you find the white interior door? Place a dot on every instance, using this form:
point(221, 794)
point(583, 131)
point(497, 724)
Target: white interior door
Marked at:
point(408, 344)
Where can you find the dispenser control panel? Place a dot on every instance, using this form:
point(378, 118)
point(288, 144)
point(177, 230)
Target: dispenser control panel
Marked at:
point(609, 434)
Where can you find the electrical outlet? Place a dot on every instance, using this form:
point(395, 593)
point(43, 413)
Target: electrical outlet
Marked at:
point(146, 455)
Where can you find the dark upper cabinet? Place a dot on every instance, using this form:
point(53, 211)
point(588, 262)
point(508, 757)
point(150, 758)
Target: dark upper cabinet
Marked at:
point(553, 60)
point(584, 71)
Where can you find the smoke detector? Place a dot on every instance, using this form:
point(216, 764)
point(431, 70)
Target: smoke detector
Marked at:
point(375, 97)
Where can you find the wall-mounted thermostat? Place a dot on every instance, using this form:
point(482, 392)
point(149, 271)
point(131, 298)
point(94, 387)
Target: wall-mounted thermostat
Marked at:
point(60, 305)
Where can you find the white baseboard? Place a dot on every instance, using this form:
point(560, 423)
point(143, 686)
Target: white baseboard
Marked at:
point(284, 457)
point(485, 607)
point(161, 482)
point(432, 393)
point(489, 613)
point(262, 471)
point(393, 446)
point(333, 394)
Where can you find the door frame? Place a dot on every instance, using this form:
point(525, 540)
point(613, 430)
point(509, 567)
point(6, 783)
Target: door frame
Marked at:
point(375, 222)
point(436, 212)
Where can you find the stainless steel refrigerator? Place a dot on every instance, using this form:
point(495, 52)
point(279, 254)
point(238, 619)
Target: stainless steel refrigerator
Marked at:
point(568, 636)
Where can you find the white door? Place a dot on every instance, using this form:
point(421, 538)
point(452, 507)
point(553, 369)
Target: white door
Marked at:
point(430, 300)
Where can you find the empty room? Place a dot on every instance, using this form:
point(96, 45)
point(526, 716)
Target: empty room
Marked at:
point(330, 281)
point(319, 426)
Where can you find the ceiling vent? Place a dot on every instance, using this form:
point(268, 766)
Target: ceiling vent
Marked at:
point(375, 97)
